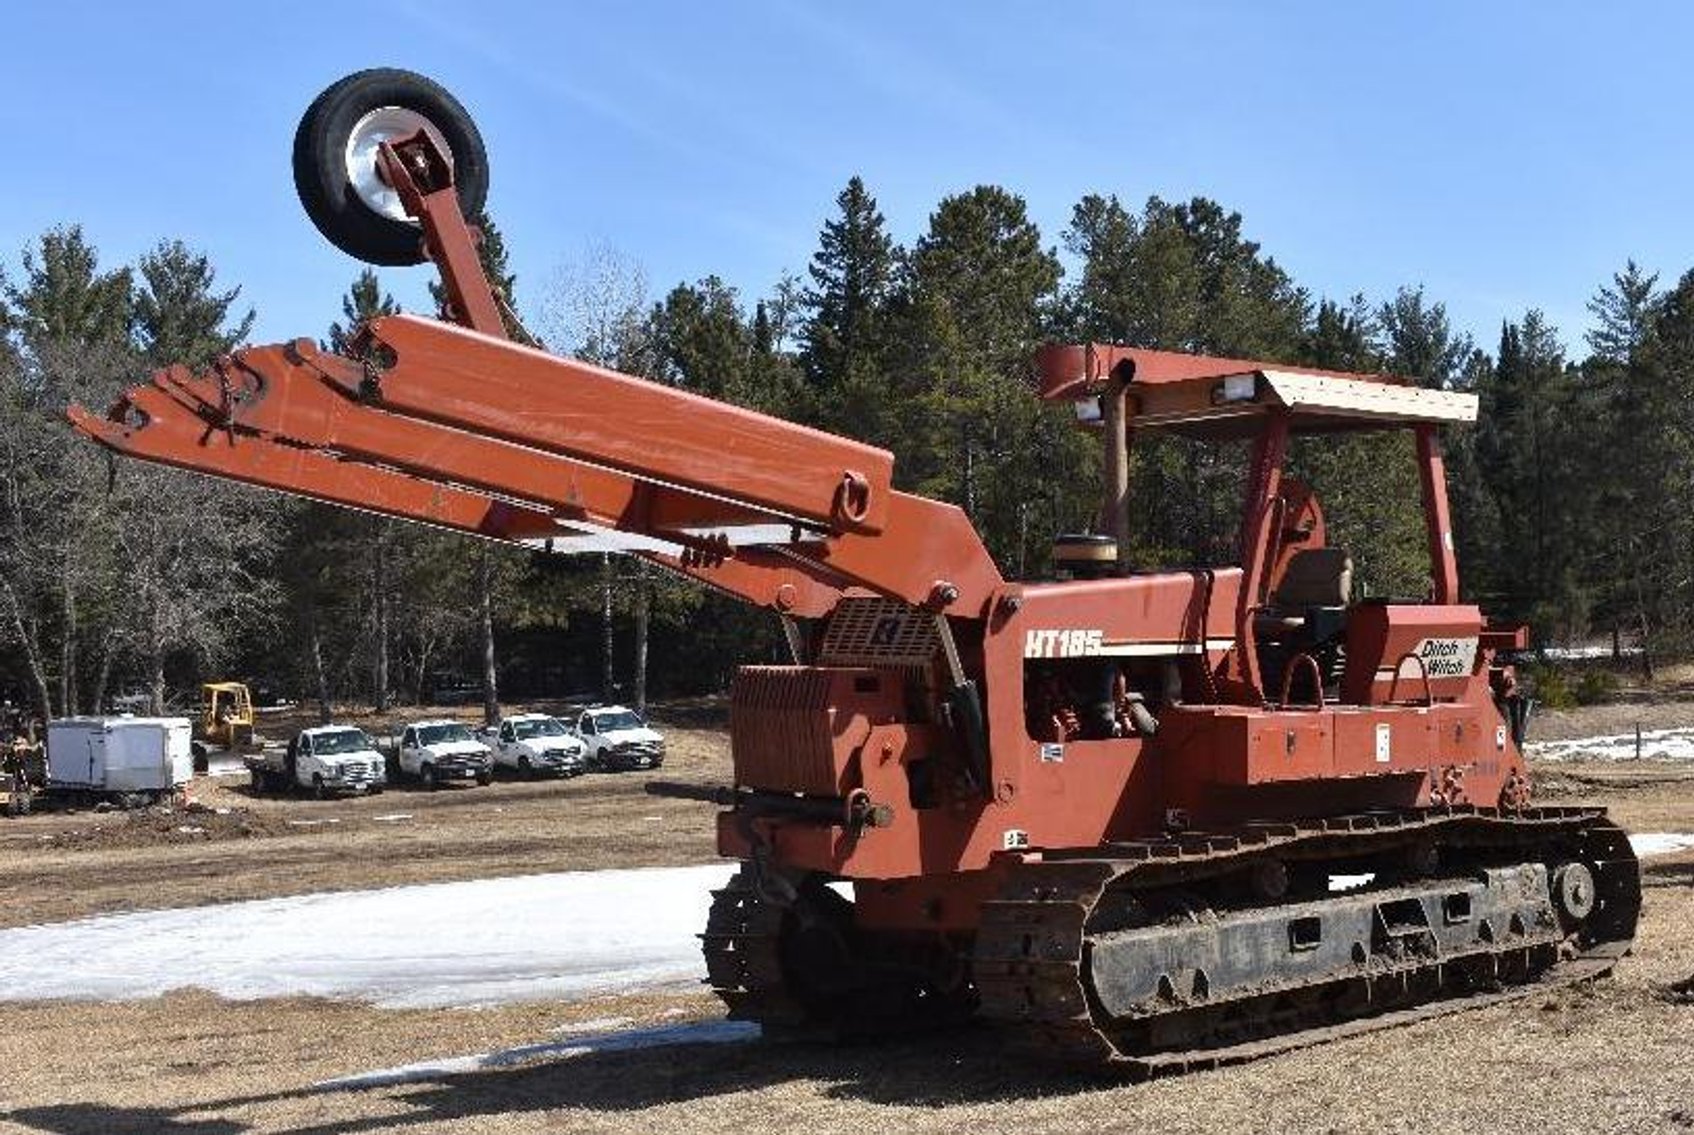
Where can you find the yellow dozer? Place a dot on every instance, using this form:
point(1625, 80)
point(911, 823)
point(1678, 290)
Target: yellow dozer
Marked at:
point(226, 720)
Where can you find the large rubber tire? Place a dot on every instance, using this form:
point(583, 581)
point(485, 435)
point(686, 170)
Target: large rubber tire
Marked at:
point(320, 162)
point(427, 775)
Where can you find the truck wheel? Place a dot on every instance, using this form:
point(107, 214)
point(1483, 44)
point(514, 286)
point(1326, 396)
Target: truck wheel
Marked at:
point(427, 775)
point(260, 781)
point(318, 792)
point(525, 769)
point(485, 778)
point(335, 160)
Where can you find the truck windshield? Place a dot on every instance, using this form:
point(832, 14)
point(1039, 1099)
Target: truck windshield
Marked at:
point(621, 719)
point(539, 727)
point(436, 734)
point(341, 741)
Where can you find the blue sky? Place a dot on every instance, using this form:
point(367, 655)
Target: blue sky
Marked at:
point(1506, 155)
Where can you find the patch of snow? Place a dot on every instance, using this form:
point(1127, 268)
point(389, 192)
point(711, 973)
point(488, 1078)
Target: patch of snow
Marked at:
point(1578, 653)
point(1660, 843)
point(392, 817)
point(525, 938)
point(314, 823)
point(663, 1036)
point(1656, 744)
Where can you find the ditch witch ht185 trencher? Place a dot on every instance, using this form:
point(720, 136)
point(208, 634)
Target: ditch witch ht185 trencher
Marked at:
point(1107, 813)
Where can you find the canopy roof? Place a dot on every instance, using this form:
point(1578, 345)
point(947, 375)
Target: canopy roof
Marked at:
point(1217, 397)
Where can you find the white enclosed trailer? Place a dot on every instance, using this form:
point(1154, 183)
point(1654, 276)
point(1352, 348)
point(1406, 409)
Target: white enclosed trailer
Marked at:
point(128, 759)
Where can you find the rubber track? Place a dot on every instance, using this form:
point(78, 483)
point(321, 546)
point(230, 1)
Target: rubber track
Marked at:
point(1031, 948)
point(743, 961)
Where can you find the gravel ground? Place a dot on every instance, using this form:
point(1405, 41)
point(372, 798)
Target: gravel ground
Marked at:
point(1611, 1057)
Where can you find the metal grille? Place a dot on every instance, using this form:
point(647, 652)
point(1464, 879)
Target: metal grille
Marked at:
point(781, 723)
point(876, 631)
point(357, 772)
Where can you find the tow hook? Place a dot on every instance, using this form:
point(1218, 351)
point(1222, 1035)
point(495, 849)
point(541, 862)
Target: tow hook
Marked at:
point(862, 812)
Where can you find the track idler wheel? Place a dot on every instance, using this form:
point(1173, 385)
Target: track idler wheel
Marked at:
point(1574, 892)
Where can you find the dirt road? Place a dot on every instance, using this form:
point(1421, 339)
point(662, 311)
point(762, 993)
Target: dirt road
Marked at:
point(1610, 1057)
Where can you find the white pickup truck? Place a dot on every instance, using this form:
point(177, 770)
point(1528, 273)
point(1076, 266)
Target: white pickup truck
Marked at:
point(331, 760)
point(534, 743)
point(439, 751)
point(618, 739)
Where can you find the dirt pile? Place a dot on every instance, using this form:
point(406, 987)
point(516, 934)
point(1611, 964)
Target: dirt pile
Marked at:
point(156, 826)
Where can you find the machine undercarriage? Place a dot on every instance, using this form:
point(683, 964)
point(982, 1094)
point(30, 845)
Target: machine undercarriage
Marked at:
point(1166, 955)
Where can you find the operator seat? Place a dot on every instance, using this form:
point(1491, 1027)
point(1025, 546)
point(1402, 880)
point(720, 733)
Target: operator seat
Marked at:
point(1311, 595)
point(1307, 614)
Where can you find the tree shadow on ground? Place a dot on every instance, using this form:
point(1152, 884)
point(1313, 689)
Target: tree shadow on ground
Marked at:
point(972, 1066)
point(89, 1118)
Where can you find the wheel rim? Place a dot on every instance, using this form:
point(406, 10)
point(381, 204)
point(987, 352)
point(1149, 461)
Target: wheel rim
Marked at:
point(385, 124)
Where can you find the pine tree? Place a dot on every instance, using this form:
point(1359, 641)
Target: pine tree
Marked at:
point(1524, 444)
point(179, 318)
point(1643, 370)
point(845, 336)
point(64, 297)
point(1625, 311)
point(1419, 342)
point(978, 295)
point(852, 275)
point(701, 341)
point(365, 300)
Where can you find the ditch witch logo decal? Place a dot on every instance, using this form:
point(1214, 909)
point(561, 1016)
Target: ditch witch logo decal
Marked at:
point(1441, 658)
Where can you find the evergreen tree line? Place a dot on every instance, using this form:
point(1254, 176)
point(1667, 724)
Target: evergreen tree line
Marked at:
point(1569, 495)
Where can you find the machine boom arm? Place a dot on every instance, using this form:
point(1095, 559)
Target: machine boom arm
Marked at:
point(459, 427)
point(472, 433)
